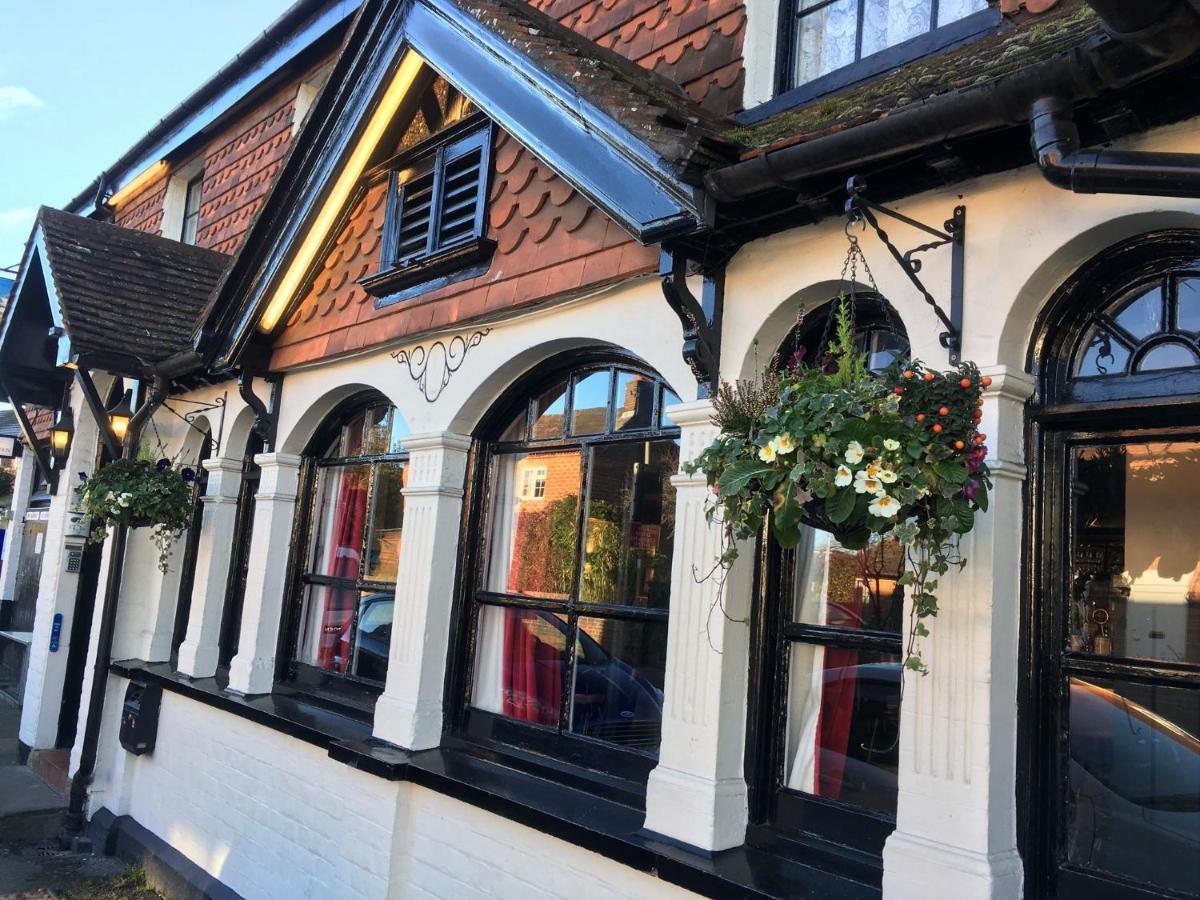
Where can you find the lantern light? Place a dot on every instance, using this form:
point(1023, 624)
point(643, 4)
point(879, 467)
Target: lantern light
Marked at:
point(119, 416)
point(61, 433)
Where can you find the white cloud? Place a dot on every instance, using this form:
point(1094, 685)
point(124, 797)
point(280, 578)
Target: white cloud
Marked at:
point(13, 99)
point(16, 219)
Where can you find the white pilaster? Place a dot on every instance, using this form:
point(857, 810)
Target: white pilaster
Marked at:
point(253, 669)
point(409, 712)
point(697, 793)
point(22, 488)
point(199, 650)
point(956, 817)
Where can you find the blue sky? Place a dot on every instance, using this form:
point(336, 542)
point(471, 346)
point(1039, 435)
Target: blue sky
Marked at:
point(82, 80)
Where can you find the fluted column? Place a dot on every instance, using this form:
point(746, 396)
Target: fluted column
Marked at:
point(253, 669)
point(409, 712)
point(199, 650)
point(956, 816)
point(697, 793)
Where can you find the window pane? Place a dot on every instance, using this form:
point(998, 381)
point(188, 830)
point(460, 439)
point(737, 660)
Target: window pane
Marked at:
point(1136, 560)
point(630, 525)
point(329, 638)
point(669, 399)
point(953, 10)
point(387, 522)
point(844, 725)
point(848, 588)
point(549, 413)
point(519, 660)
point(825, 40)
point(1168, 356)
point(635, 402)
point(516, 428)
point(1134, 782)
point(532, 539)
point(377, 437)
point(1142, 316)
point(887, 23)
point(351, 442)
point(340, 521)
point(589, 414)
point(618, 687)
point(883, 348)
point(1102, 354)
point(1187, 308)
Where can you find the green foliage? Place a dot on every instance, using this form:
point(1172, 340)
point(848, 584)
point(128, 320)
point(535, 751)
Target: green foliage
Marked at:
point(137, 493)
point(7, 480)
point(896, 455)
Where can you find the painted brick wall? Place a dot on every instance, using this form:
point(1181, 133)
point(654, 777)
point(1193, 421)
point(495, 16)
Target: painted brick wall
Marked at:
point(274, 817)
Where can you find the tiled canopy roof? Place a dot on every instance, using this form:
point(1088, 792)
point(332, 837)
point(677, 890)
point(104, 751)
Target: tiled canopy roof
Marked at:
point(123, 291)
point(1017, 45)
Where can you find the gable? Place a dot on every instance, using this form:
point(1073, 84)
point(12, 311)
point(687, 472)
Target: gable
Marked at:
point(550, 241)
point(543, 85)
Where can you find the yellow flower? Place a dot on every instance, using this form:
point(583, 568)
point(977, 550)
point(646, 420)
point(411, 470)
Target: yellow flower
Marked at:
point(767, 453)
point(884, 506)
point(784, 444)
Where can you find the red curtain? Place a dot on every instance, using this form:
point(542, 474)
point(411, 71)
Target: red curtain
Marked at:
point(838, 689)
point(345, 550)
point(532, 676)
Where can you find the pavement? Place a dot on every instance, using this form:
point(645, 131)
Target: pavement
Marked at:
point(30, 809)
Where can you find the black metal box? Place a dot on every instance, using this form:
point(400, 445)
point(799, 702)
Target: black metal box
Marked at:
point(139, 717)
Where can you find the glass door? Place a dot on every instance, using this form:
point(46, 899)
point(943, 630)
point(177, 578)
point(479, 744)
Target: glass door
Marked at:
point(1121, 665)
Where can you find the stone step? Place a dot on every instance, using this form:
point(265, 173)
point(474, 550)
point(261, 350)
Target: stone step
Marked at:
point(30, 810)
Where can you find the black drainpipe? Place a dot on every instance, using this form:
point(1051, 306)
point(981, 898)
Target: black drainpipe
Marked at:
point(1135, 52)
point(76, 818)
point(1065, 165)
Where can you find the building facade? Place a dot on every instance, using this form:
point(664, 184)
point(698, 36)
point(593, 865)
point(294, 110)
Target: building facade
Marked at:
point(435, 298)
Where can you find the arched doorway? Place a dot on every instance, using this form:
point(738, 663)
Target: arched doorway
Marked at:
point(1111, 712)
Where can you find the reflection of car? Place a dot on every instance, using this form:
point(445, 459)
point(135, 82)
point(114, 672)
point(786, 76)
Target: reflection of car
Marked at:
point(373, 639)
point(613, 700)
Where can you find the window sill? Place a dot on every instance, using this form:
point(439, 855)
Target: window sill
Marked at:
point(387, 283)
point(508, 788)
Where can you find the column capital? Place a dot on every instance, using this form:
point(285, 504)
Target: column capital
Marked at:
point(691, 414)
point(278, 460)
point(437, 463)
point(437, 440)
point(222, 464)
point(1008, 383)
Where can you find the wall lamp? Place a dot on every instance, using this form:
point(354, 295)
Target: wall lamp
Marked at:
point(61, 434)
point(119, 416)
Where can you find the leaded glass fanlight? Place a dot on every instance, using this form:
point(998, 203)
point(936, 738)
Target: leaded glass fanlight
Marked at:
point(1153, 327)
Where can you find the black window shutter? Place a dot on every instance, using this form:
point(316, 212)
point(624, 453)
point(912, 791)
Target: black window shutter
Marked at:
point(416, 213)
point(461, 198)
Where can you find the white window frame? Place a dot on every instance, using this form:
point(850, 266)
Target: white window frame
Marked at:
point(175, 202)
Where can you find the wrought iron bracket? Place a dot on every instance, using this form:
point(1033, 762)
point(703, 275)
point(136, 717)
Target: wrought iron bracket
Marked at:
point(701, 318)
point(861, 209)
point(266, 421)
point(189, 417)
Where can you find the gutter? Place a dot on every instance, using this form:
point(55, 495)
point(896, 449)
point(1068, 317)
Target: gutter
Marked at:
point(1142, 42)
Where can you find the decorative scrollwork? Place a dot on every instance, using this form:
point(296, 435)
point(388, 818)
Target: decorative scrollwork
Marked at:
point(431, 368)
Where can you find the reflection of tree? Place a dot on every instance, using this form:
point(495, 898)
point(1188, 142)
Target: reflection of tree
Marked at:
point(601, 570)
point(862, 586)
point(545, 552)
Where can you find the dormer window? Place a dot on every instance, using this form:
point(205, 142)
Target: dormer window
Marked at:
point(827, 44)
point(191, 209)
point(437, 198)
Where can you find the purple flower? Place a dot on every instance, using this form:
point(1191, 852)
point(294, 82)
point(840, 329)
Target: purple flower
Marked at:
point(970, 489)
point(162, 465)
point(82, 476)
point(796, 359)
point(829, 365)
point(187, 475)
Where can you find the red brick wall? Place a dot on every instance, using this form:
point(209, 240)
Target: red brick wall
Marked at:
point(550, 241)
point(695, 43)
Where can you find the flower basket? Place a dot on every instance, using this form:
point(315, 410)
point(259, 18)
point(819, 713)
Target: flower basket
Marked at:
point(863, 456)
point(138, 493)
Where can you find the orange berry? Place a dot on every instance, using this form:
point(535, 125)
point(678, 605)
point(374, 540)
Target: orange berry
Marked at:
point(897, 390)
point(928, 376)
point(980, 403)
point(920, 417)
point(980, 438)
point(958, 445)
point(937, 429)
point(965, 383)
point(987, 380)
point(978, 415)
point(944, 411)
point(908, 373)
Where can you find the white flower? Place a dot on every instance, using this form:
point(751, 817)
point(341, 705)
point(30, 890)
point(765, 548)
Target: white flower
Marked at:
point(843, 477)
point(890, 444)
point(872, 469)
point(767, 453)
point(854, 453)
point(887, 476)
point(784, 444)
point(884, 506)
point(124, 499)
point(865, 484)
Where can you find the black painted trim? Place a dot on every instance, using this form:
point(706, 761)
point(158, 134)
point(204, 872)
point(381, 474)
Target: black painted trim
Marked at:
point(388, 282)
point(166, 868)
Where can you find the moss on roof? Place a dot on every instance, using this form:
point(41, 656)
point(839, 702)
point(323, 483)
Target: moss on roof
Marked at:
point(1008, 50)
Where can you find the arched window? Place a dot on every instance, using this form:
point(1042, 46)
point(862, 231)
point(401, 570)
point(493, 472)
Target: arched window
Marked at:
point(824, 752)
point(567, 607)
point(1111, 710)
point(353, 513)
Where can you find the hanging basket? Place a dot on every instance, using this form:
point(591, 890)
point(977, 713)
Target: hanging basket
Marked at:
point(853, 535)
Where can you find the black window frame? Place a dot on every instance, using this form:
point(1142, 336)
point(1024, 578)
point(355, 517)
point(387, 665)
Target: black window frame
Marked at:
point(189, 230)
point(355, 694)
point(437, 262)
point(936, 39)
point(584, 761)
point(851, 836)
